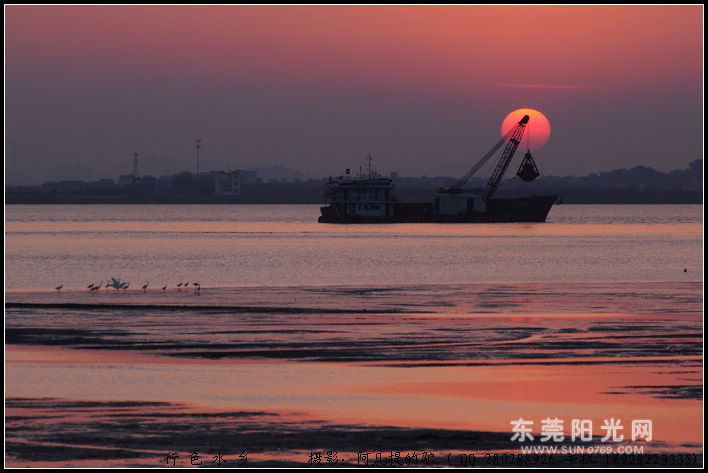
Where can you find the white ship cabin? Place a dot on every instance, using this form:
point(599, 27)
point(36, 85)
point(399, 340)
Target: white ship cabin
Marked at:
point(459, 204)
point(372, 196)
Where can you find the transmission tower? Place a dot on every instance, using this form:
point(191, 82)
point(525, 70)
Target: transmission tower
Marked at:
point(135, 164)
point(198, 145)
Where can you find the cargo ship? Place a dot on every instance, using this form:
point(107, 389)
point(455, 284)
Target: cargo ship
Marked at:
point(372, 198)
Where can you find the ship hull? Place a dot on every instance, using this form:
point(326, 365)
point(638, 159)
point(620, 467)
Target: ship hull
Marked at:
point(523, 209)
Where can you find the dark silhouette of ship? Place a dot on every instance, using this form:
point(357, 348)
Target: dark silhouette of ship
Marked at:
point(372, 199)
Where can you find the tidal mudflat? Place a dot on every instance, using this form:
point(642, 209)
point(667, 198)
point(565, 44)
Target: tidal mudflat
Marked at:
point(284, 375)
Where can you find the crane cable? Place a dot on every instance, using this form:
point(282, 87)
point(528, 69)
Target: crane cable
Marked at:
point(528, 136)
point(489, 169)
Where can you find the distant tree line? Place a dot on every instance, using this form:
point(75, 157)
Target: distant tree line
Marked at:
point(640, 184)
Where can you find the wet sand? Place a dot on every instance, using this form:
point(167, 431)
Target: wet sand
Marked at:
point(114, 379)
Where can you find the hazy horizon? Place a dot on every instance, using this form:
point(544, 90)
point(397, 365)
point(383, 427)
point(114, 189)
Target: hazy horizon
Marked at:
point(423, 88)
point(278, 172)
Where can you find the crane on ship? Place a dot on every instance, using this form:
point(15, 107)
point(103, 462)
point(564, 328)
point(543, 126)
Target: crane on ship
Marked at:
point(527, 171)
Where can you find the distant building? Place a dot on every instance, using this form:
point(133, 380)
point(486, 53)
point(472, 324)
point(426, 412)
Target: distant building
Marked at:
point(125, 180)
point(138, 185)
point(103, 184)
point(227, 183)
point(144, 185)
point(64, 186)
point(248, 178)
point(163, 185)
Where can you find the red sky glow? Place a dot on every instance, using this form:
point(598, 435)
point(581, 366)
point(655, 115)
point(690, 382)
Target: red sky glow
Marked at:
point(346, 79)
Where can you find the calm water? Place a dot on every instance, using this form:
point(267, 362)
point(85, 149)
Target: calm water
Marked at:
point(310, 337)
point(283, 245)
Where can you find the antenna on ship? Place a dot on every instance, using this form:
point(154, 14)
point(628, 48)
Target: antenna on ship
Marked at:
point(198, 145)
point(369, 158)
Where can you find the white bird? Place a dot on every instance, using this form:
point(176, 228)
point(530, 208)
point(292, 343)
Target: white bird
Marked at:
point(96, 288)
point(145, 286)
point(179, 284)
point(58, 288)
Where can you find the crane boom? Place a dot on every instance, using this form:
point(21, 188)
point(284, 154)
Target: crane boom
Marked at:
point(505, 160)
point(512, 139)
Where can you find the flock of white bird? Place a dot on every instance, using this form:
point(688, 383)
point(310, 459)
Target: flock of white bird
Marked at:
point(119, 285)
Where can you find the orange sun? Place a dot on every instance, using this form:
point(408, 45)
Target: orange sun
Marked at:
point(538, 129)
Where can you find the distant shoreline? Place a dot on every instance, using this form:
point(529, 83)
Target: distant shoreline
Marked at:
point(639, 185)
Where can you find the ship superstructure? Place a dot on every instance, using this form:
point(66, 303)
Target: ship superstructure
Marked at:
point(369, 196)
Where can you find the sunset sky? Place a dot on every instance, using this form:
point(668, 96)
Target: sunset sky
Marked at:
point(424, 88)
